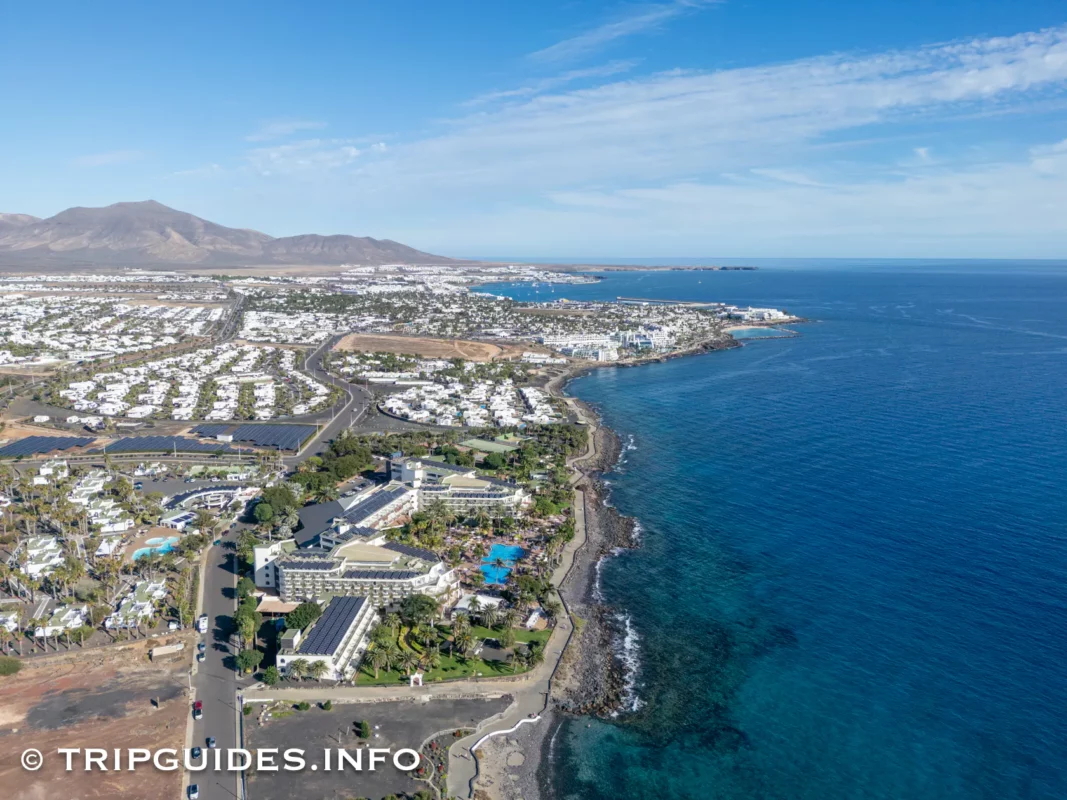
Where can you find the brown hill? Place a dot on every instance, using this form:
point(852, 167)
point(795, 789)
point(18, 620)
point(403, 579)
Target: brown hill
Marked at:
point(151, 233)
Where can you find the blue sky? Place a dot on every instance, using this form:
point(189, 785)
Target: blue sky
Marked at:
point(740, 128)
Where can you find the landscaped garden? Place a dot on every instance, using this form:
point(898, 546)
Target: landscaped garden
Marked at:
point(408, 642)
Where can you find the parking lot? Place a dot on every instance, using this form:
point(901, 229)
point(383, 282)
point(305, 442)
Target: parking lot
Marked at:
point(394, 724)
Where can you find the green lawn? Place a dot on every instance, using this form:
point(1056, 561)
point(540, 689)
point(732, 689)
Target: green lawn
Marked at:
point(455, 667)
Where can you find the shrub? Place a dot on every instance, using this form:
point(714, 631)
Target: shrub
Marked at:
point(327, 706)
point(303, 705)
point(247, 710)
point(9, 665)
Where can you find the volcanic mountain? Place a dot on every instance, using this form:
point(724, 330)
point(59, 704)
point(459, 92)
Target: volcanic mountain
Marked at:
point(151, 233)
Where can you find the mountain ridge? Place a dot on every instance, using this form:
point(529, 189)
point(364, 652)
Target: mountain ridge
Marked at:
point(149, 232)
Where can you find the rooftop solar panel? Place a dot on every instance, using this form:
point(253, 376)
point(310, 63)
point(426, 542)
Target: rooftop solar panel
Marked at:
point(381, 574)
point(34, 445)
point(330, 629)
point(375, 503)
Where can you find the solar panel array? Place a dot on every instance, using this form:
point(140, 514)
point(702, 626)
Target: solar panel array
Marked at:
point(34, 445)
point(164, 444)
point(328, 633)
point(284, 437)
point(408, 550)
point(308, 563)
point(460, 493)
point(375, 503)
point(380, 574)
point(213, 430)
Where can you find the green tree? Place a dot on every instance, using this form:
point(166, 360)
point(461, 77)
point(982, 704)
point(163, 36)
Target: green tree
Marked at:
point(298, 669)
point(364, 729)
point(248, 660)
point(379, 660)
point(417, 608)
point(303, 615)
point(270, 675)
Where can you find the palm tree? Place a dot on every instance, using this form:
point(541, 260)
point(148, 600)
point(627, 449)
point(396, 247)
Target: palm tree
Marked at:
point(409, 662)
point(327, 493)
point(379, 659)
point(461, 624)
point(392, 622)
point(463, 643)
point(511, 618)
point(318, 668)
point(536, 656)
point(431, 657)
point(298, 669)
point(490, 617)
point(392, 654)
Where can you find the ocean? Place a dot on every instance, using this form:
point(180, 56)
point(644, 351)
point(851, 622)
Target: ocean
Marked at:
point(852, 578)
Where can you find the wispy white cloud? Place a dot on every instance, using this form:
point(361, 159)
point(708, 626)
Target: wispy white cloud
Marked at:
point(554, 82)
point(636, 20)
point(199, 172)
point(109, 158)
point(1007, 209)
point(811, 150)
point(678, 125)
point(279, 129)
point(307, 156)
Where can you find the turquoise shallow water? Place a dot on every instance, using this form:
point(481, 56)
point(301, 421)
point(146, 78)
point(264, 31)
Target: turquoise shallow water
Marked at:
point(853, 574)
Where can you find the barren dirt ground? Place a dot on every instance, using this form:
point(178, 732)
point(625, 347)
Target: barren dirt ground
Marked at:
point(111, 697)
point(430, 348)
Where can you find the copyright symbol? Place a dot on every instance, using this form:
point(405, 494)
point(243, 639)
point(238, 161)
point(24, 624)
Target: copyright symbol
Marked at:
point(32, 759)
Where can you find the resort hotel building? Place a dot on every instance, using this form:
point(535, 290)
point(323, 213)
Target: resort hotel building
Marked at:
point(462, 489)
point(338, 638)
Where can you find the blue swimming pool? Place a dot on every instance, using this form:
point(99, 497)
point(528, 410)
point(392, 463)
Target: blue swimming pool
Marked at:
point(508, 554)
point(159, 545)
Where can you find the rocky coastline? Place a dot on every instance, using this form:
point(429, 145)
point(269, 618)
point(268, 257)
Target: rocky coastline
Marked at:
point(591, 679)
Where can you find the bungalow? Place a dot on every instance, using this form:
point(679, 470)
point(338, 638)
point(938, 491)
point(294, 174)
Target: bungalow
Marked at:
point(137, 607)
point(64, 618)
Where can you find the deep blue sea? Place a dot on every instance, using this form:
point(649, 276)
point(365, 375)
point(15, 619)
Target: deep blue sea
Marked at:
point(852, 580)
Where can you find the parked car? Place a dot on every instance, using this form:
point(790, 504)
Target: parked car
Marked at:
point(194, 791)
point(201, 647)
point(196, 751)
point(200, 658)
point(198, 710)
point(211, 743)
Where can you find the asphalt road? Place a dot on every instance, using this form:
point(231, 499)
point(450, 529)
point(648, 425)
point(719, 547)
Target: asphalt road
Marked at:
point(359, 401)
point(215, 681)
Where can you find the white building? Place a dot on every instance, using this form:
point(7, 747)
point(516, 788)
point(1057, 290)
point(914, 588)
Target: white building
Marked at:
point(137, 607)
point(64, 618)
point(384, 573)
point(339, 638)
point(40, 555)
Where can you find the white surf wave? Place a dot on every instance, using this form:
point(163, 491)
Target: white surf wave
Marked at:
point(629, 651)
